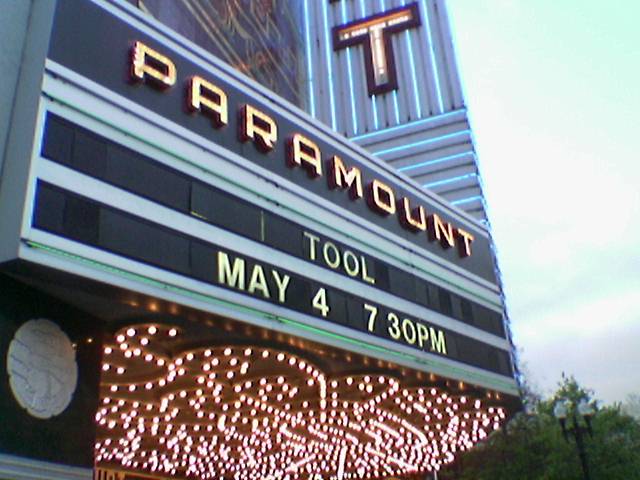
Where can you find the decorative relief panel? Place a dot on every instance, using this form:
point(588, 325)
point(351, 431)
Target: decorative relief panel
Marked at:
point(42, 367)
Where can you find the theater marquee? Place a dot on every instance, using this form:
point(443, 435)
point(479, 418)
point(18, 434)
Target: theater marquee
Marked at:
point(289, 289)
point(177, 168)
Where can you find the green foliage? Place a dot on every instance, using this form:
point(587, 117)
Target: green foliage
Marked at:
point(532, 447)
point(631, 405)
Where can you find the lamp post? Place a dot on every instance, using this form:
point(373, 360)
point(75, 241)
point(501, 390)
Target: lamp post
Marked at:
point(568, 415)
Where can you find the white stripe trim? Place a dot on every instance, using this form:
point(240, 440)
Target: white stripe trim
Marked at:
point(21, 468)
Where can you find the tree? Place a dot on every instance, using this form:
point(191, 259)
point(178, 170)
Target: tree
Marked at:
point(631, 406)
point(531, 446)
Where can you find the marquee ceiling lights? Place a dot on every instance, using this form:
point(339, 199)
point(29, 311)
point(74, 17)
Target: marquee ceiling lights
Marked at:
point(246, 412)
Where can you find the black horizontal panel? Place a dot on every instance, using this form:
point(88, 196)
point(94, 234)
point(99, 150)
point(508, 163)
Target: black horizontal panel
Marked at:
point(58, 142)
point(136, 173)
point(445, 303)
point(90, 154)
point(67, 143)
point(488, 320)
point(205, 271)
point(82, 220)
point(381, 273)
point(121, 233)
point(282, 234)
point(50, 212)
point(147, 242)
point(466, 310)
point(402, 284)
point(224, 210)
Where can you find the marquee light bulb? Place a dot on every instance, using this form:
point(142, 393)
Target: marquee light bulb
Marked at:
point(272, 423)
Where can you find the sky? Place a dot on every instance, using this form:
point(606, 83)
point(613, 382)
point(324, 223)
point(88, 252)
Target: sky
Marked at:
point(553, 91)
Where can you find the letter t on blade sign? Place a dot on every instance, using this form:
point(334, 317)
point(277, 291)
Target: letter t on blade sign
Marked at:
point(374, 33)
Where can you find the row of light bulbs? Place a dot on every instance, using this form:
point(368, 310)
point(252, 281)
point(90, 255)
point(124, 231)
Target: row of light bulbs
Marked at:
point(253, 413)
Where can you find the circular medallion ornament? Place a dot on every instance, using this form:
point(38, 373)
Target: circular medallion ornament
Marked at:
point(42, 368)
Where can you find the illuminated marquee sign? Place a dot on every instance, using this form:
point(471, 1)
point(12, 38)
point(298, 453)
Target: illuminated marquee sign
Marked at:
point(253, 133)
point(263, 132)
point(60, 212)
point(67, 143)
point(374, 34)
point(148, 65)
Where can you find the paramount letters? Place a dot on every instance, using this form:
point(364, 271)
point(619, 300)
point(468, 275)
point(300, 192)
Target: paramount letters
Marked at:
point(206, 98)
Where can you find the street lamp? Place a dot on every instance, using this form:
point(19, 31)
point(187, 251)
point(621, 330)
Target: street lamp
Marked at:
point(565, 409)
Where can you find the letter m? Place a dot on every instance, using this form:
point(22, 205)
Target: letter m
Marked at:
point(438, 343)
point(231, 276)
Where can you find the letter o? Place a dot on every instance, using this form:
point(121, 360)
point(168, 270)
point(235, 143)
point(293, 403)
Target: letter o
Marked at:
point(354, 269)
point(335, 263)
point(409, 339)
point(381, 198)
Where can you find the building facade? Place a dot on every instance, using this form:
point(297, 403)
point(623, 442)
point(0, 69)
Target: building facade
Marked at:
point(214, 264)
point(417, 123)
